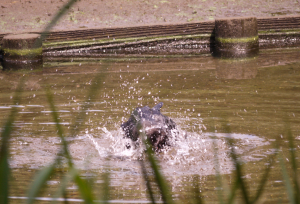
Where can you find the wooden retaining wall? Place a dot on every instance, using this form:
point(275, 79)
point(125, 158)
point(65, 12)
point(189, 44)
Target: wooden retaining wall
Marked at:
point(273, 32)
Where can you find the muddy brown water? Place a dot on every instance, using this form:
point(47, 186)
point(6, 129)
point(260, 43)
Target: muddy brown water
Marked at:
point(254, 96)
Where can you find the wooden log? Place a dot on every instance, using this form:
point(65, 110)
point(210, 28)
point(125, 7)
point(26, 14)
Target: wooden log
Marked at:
point(22, 51)
point(236, 37)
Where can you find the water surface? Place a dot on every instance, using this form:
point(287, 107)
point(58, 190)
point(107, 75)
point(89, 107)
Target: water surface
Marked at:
point(255, 97)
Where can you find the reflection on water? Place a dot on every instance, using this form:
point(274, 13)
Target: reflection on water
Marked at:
point(200, 94)
point(236, 68)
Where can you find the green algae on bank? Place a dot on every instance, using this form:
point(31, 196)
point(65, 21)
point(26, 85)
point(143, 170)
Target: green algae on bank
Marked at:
point(237, 40)
point(23, 52)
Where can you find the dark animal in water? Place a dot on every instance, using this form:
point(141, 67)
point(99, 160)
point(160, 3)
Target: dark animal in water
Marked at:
point(158, 127)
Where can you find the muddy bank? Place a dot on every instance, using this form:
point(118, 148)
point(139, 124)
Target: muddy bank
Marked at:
point(33, 15)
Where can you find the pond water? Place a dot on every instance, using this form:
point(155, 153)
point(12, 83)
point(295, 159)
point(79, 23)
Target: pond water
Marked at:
point(255, 97)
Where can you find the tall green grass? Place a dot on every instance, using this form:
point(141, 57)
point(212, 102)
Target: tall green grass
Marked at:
point(226, 193)
point(292, 187)
point(239, 182)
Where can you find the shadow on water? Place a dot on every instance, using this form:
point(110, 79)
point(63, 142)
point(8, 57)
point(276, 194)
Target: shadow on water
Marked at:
point(253, 94)
point(212, 43)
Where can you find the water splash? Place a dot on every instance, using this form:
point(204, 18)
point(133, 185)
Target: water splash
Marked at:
point(192, 151)
point(101, 150)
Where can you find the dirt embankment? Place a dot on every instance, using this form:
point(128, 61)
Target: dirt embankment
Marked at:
point(33, 15)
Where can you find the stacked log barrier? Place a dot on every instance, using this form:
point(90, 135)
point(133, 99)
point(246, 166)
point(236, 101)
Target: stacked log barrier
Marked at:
point(199, 37)
point(279, 32)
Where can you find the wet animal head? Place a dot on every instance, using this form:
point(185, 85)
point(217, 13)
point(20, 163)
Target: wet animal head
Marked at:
point(157, 126)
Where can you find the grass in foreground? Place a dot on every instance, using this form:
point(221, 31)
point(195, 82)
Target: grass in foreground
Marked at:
point(227, 195)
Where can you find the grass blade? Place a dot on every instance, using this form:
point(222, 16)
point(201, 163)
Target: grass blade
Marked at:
point(147, 180)
point(4, 176)
point(55, 19)
point(294, 163)
point(160, 180)
point(232, 193)
point(59, 128)
point(85, 189)
point(263, 180)
point(238, 168)
point(286, 179)
point(97, 85)
point(39, 181)
point(218, 174)
point(105, 193)
point(229, 194)
point(4, 151)
point(63, 184)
